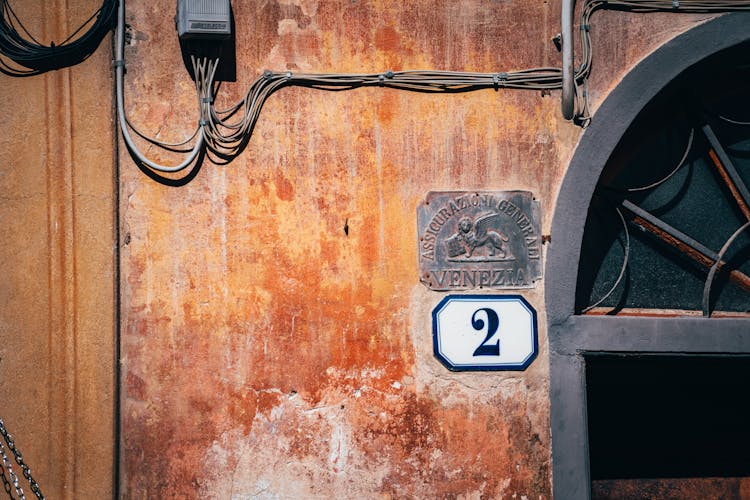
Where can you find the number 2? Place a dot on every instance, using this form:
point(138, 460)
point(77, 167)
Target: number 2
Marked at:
point(493, 322)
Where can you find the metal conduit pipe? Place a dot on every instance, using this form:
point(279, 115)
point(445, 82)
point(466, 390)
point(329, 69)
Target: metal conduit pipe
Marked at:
point(566, 39)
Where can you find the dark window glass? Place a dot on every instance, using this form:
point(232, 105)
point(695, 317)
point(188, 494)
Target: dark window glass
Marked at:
point(694, 199)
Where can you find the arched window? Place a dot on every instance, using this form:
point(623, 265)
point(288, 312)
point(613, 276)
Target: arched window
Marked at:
point(650, 333)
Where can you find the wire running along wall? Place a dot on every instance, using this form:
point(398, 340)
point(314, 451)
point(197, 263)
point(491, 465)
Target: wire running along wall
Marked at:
point(223, 134)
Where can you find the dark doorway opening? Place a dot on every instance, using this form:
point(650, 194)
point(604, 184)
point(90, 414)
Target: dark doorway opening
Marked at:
point(652, 416)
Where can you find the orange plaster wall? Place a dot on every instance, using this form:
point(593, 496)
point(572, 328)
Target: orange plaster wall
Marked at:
point(268, 352)
point(265, 351)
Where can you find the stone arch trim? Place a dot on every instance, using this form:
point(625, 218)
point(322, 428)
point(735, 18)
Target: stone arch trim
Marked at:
point(611, 121)
point(571, 336)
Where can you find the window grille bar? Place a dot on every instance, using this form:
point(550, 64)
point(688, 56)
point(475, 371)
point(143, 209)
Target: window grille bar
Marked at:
point(728, 172)
point(681, 242)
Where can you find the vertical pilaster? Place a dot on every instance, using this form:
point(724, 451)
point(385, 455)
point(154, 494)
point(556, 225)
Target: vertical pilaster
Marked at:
point(57, 296)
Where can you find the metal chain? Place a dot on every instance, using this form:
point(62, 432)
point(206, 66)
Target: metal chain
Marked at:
point(6, 484)
point(8, 464)
point(19, 460)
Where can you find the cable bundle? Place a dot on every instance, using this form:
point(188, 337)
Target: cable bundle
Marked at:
point(226, 138)
point(696, 6)
point(224, 133)
point(32, 58)
point(641, 6)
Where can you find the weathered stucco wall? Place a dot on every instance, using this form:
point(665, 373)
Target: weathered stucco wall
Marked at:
point(265, 351)
point(268, 353)
point(57, 291)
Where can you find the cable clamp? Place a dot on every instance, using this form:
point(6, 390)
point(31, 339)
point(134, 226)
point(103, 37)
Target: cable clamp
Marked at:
point(288, 75)
point(118, 63)
point(586, 27)
point(208, 100)
point(382, 76)
point(675, 4)
point(267, 74)
point(499, 79)
point(203, 122)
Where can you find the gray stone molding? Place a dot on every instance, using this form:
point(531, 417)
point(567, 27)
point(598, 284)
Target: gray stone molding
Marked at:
point(570, 336)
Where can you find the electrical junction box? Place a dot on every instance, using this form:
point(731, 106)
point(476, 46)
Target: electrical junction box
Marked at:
point(197, 19)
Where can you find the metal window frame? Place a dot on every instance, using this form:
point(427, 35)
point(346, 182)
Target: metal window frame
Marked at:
point(570, 336)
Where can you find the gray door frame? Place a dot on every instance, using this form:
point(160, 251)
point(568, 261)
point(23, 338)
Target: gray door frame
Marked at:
point(572, 336)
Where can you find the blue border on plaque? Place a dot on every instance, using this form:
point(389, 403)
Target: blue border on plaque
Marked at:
point(479, 367)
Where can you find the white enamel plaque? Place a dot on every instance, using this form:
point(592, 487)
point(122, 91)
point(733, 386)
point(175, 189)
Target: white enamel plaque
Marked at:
point(484, 332)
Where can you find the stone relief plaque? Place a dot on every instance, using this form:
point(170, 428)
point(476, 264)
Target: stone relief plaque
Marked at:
point(479, 239)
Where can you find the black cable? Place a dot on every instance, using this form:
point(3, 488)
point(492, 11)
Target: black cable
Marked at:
point(32, 58)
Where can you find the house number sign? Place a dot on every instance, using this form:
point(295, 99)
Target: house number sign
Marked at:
point(484, 332)
point(479, 239)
